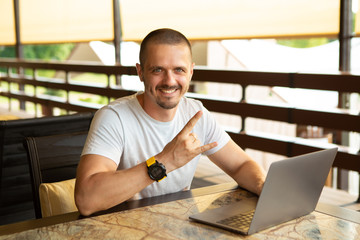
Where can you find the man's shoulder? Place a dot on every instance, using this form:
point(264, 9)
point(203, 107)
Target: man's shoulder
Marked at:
point(119, 107)
point(188, 102)
point(188, 107)
point(122, 103)
point(127, 100)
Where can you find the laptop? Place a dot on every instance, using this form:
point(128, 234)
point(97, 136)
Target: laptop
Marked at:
point(292, 189)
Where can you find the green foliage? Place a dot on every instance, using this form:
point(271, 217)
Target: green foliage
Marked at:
point(58, 52)
point(46, 73)
point(8, 51)
point(100, 79)
point(95, 99)
point(303, 43)
point(48, 52)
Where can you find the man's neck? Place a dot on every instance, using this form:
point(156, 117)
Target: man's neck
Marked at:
point(155, 111)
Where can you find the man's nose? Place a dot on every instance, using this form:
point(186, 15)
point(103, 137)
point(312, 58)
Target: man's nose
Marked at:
point(169, 78)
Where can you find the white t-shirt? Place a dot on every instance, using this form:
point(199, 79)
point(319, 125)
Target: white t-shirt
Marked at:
point(125, 133)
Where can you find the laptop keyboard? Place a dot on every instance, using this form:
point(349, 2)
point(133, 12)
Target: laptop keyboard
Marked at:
point(240, 221)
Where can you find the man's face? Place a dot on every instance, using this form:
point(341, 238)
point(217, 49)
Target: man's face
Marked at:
point(166, 74)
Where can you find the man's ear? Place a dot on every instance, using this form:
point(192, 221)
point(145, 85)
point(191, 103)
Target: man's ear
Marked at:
point(139, 71)
point(192, 70)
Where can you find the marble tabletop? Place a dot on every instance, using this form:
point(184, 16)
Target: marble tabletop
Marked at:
point(170, 220)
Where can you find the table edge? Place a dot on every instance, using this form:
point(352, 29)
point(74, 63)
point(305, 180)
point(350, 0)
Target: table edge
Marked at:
point(73, 216)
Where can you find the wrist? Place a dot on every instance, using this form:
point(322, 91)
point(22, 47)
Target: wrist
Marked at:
point(164, 159)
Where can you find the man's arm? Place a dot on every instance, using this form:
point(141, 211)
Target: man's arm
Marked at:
point(240, 166)
point(100, 186)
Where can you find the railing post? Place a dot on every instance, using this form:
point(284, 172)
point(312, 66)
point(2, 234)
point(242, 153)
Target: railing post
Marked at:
point(35, 91)
point(243, 99)
point(18, 46)
point(109, 85)
point(67, 78)
point(345, 35)
point(9, 88)
point(117, 36)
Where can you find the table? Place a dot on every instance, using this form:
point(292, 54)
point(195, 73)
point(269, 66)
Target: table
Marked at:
point(167, 217)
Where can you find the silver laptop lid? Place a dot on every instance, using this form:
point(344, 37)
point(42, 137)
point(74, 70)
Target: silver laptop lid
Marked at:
point(292, 188)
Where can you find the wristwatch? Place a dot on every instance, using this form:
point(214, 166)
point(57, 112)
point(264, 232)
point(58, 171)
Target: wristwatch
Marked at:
point(156, 170)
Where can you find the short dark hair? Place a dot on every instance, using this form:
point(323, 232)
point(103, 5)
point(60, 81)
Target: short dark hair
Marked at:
point(162, 36)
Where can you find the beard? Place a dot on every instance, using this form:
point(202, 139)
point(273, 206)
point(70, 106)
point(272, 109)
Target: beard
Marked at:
point(166, 102)
point(163, 101)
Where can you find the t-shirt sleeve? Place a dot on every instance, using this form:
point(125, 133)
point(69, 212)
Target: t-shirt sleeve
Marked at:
point(105, 136)
point(214, 133)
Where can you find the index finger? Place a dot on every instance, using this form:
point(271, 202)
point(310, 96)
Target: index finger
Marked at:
point(191, 123)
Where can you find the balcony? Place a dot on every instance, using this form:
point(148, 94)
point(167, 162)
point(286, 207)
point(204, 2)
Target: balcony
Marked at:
point(236, 114)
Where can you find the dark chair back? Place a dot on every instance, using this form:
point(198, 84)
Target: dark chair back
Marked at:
point(52, 159)
point(16, 197)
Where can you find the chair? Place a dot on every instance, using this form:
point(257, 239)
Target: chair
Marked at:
point(53, 159)
point(16, 196)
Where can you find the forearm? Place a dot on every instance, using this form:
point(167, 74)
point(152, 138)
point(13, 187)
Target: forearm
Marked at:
point(103, 190)
point(240, 166)
point(250, 176)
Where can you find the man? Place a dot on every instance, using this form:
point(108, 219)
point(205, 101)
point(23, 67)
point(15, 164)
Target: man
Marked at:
point(149, 143)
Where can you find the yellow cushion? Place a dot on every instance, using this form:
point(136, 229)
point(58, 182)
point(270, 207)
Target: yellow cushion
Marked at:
point(57, 198)
point(8, 117)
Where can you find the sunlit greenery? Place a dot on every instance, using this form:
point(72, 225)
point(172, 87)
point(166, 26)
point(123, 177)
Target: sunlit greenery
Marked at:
point(48, 52)
point(59, 52)
point(44, 52)
point(303, 43)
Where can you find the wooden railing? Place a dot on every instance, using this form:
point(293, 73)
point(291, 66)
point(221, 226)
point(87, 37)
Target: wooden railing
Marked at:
point(336, 120)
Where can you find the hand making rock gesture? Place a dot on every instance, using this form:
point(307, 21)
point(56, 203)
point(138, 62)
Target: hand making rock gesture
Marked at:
point(184, 147)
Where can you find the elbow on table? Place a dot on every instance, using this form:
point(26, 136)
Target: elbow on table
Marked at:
point(84, 204)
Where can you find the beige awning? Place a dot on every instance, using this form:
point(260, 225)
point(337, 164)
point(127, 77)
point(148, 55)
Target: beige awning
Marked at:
point(211, 19)
point(357, 20)
point(7, 23)
point(66, 20)
point(51, 21)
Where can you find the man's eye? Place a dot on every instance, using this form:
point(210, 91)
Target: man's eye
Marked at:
point(157, 70)
point(179, 70)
